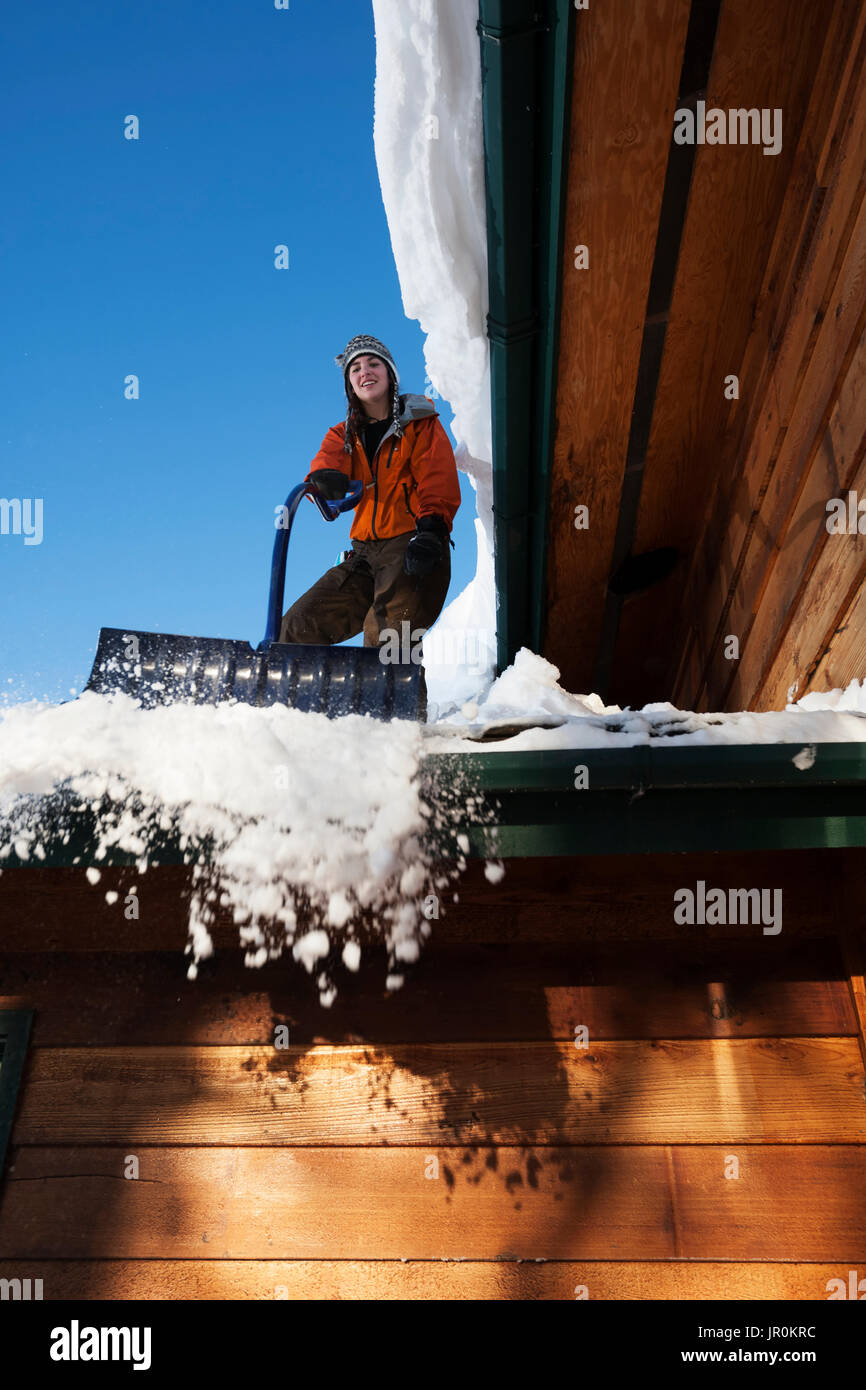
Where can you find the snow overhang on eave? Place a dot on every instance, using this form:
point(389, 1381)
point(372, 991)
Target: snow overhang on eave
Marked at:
point(641, 800)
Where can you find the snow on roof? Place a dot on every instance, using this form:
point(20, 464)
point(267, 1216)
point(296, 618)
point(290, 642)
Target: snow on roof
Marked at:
point(293, 819)
point(429, 143)
point(529, 694)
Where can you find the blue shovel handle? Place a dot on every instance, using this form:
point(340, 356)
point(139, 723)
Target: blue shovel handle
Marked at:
point(330, 511)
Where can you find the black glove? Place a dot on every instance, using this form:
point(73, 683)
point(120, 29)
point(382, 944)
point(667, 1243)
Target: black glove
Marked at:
point(424, 551)
point(330, 483)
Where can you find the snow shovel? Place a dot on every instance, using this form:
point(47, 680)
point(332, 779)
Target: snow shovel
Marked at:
point(161, 669)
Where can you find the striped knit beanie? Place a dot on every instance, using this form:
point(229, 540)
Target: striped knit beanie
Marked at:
point(360, 346)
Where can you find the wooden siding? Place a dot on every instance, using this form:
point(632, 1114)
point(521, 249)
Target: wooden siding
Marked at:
point(765, 569)
point(770, 287)
point(765, 58)
point(449, 1140)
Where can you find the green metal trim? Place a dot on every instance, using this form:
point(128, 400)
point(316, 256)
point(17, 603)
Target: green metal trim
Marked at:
point(667, 823)
point(657, 765)
point(525, 71)
point(556, 92)
point(14, 1037)
point(655, 800)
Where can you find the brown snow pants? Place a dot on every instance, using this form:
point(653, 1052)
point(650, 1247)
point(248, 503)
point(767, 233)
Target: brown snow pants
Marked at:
point(369, 592)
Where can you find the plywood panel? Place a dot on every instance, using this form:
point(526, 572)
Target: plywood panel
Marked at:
point(626, 70)
point(771, 1090)
point(634, 1203)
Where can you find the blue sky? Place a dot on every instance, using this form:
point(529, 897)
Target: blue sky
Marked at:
point(155, 257)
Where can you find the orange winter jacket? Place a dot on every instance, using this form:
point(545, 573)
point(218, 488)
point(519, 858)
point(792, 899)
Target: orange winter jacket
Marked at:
point(409, 477)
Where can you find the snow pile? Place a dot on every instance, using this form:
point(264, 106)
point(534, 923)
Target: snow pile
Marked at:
point(852, 699)
point(529, 693)
point(430, 154)
point(314, 832)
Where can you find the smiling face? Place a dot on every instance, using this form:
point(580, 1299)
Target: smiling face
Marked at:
point(369, 379)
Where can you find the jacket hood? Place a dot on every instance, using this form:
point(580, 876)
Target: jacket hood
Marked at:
point(416, 408)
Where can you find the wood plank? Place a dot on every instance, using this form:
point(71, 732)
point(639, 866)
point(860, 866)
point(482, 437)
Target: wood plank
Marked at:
point(800, 320)
point(837, 340)
point(835, 575)
point(854, 19)
point(467, 993)
point(585, 897)
point(791, 308)
point(801, 1202)
point(738, 513)
point(58, 910)
point(369, 1280)
point(819, 340)
point(845, 652)
point(755, 416)
point(854, 950)
point(814, 573)
point(764, 57)
point(819, 159)
point(725, 1215)
point(686, 1091)
point(626, 69)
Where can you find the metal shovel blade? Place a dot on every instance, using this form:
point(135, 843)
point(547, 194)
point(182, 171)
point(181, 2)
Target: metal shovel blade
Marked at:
point(160, 669)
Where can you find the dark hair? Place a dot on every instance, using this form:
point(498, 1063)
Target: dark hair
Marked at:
point(356, 418)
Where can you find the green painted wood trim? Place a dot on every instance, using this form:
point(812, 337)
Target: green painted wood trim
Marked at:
point(525, 73)
point(14, 1037)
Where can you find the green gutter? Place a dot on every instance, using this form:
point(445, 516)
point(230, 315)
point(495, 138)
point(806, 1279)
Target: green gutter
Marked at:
point(657, 800)
point(526, 48)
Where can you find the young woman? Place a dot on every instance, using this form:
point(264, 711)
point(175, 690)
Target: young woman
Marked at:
point(399, 567)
